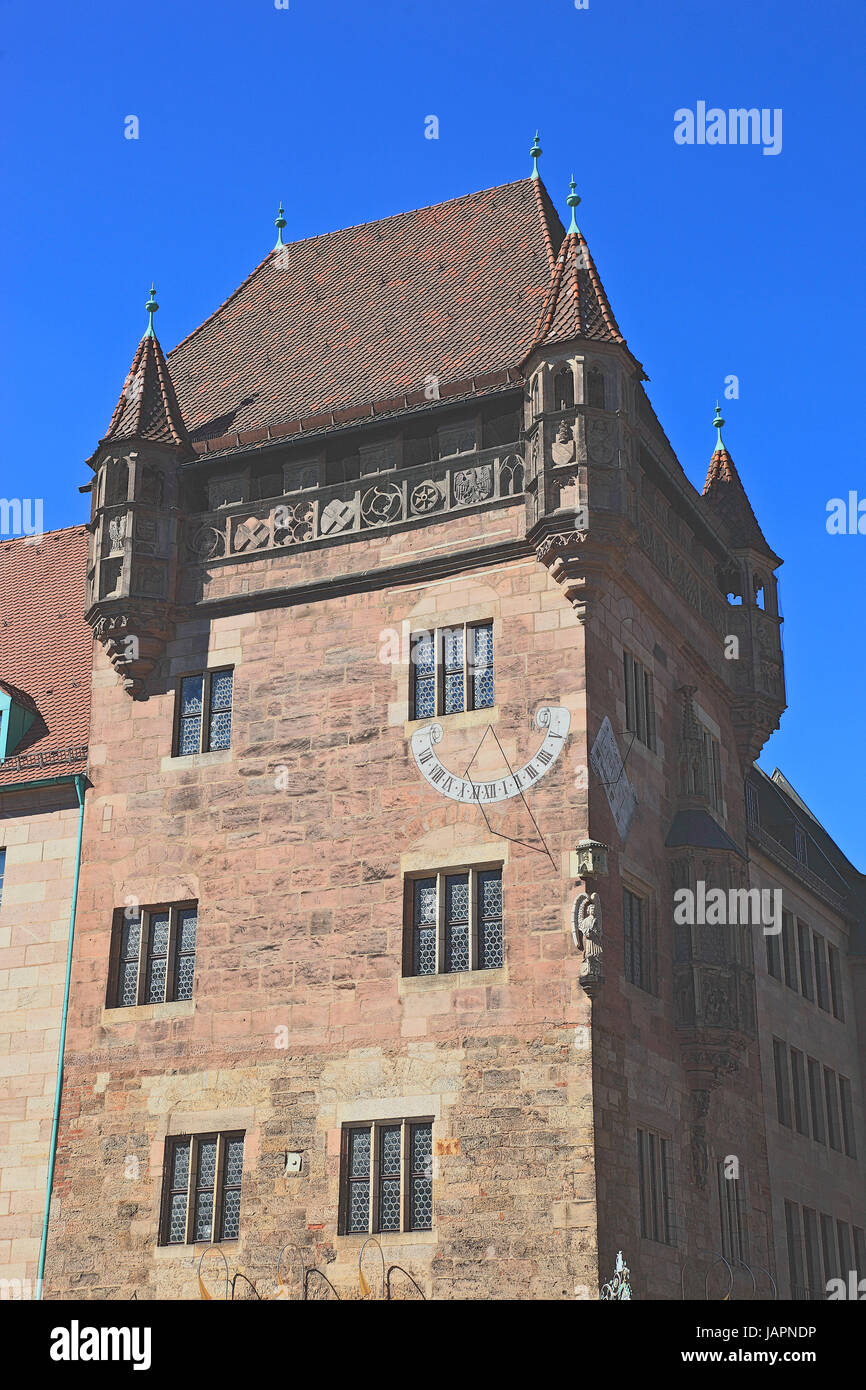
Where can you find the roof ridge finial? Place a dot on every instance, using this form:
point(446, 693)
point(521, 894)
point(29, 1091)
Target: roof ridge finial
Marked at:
point(718, 422)
point(572, 200)
point(535, 152)
point(151, 306)
point(279, 223)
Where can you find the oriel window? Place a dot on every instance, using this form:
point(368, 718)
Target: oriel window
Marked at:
point(153, 955)
point(204, 712)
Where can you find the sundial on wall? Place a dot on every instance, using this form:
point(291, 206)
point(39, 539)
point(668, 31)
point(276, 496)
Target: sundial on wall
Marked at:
point(555, 720)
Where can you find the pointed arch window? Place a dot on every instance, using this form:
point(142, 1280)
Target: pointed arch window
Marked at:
point(595, 388)
point(563, 388)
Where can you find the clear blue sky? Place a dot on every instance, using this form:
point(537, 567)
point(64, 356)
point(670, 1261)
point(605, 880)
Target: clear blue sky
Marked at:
point(717, 259)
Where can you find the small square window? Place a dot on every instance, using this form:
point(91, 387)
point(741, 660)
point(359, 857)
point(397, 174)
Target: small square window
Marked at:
point(204, 712)
point(452, 670)
point(454, 922)
point(153, 955)
point(386, 1177)
point(201, 1198)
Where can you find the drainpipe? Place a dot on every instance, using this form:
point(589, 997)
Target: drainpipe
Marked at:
point(78, 780)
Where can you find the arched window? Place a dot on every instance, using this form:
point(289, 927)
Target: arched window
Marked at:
point(595, 388)
point(563, 388)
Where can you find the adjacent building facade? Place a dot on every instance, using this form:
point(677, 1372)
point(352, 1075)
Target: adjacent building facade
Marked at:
point(45, 667)
point(425, 686)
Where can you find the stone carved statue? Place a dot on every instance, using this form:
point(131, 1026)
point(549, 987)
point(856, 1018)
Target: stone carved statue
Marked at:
point(587, 937)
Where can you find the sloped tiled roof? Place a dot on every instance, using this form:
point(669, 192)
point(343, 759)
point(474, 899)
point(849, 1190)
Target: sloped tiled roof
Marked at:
point(46, 649)
point(148, 408)
point(724, 492)
point(576, 305)
point(368, 312)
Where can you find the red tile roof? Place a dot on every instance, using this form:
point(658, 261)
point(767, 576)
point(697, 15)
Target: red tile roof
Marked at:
point(46, 649)
point(367, 313)
point(148, 408)
point(725, 493)
point(576, 305)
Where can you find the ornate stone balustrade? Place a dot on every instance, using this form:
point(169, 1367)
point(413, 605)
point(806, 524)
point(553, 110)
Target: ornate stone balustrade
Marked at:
point(358, 507)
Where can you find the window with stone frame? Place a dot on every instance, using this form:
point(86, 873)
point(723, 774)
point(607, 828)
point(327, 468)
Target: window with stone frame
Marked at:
point(386, 1177)
point(639, 701)
point(639, 941)
point(204, 712)
point(783, 1083)
point(2, 871)
point(453, 921)
point(733, 1212)
point(201, 1194)
point(152, 955)
point(451, 670)
point(833, 961)
point(655, 1175)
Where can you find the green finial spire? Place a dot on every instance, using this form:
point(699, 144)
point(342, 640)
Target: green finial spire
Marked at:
point(717, 424)
point(573, 199)
point(279, 223)
point(535, 152)
point(151, 306)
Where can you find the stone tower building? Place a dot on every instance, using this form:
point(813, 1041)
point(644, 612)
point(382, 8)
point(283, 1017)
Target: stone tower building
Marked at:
point(425, 680)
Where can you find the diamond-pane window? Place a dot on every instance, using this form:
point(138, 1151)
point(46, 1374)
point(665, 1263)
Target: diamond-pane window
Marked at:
point(153, 959)
point(425, 926)
point(400, 1155)
point(457, 922)
point(469, 906)
point(421, 1177)
point(452, 670)
point(210, 1210)
point(490, 919)
point(204, 712)
point(482, 666)
point(157, 958)
point(359, 1179)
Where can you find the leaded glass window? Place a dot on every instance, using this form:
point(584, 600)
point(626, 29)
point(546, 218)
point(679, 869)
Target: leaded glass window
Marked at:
point(387, 1177)
point(204, 720)
point(184, 966)
point(360, 1151)
point(454, 673)
point(452, 670)
point(424, 954)
point(202, 1188)
point(454, 922)
point(457, 922)
point(153, 958)
point(127, 968)
point(157, 958)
